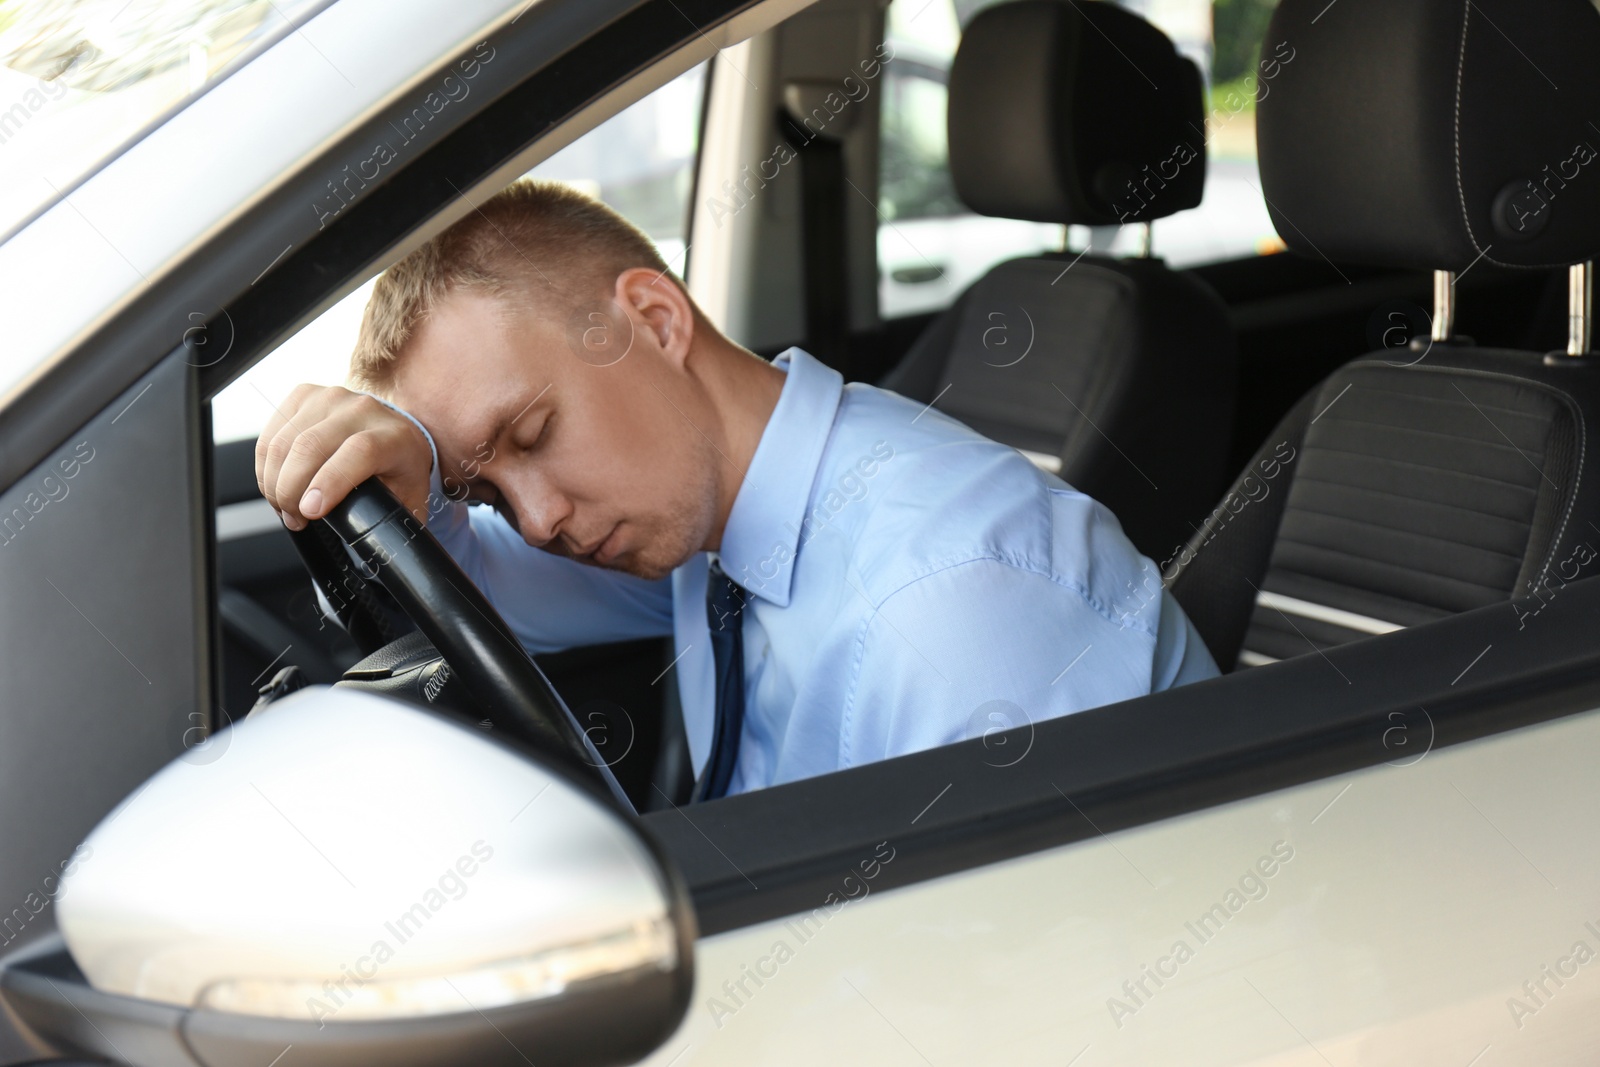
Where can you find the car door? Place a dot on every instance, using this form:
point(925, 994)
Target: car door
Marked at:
point(211, 233)
point(641, 160)
point(1369, 855)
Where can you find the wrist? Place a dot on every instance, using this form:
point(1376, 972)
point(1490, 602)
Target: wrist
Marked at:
point(433, 449)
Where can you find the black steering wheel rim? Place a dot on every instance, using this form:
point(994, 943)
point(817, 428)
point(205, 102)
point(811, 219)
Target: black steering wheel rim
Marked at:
point(404, 569)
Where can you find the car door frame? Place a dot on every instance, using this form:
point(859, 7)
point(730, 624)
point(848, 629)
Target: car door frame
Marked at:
point(772, 852)
point(111, 675)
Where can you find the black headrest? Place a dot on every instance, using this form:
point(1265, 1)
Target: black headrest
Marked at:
point(1430, 133)
point(1074, 111)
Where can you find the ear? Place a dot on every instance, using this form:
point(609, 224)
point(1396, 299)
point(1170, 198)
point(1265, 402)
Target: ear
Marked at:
point(661, 308)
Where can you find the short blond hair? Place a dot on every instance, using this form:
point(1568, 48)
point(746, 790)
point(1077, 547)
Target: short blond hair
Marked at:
point(534, 239)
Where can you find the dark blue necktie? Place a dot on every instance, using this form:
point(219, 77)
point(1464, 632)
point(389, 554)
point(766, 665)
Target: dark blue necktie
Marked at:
point(725, 616)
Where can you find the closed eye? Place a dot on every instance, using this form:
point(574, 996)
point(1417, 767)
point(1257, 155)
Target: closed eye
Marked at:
point(540, 435)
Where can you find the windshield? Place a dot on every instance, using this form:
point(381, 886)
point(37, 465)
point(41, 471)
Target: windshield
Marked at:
point(78, 78)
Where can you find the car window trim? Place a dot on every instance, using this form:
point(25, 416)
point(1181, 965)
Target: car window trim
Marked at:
point(694, 170)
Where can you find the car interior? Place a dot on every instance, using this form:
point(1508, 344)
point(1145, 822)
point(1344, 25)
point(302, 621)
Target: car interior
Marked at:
point(1432, 484)
point(1324, 347)
point(1296, 494)
point(1126, 354)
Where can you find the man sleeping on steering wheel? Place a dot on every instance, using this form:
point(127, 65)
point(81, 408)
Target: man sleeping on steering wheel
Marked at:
point(847, 575)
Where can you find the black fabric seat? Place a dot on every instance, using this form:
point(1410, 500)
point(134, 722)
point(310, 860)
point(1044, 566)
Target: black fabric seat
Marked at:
point(1119, 375)
point(1413, 485)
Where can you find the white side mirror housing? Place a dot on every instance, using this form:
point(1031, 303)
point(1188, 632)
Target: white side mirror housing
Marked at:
point(374, 882)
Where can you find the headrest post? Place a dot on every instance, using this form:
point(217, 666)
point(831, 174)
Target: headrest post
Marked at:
point(1444, 305)
point(1580, 307)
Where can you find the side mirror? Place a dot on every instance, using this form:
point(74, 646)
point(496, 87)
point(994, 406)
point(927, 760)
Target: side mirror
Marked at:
point(371, 883)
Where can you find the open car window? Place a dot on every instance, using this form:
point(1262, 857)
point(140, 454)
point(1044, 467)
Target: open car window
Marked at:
point(640, 162)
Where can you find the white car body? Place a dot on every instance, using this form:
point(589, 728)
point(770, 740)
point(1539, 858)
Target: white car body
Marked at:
point(1442, 908)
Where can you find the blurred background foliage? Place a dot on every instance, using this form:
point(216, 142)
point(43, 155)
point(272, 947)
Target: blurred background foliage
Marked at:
point(1238, 29)
point(100, 45)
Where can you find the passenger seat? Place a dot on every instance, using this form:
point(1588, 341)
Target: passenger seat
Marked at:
point(1410, 486)
point(1118, 374)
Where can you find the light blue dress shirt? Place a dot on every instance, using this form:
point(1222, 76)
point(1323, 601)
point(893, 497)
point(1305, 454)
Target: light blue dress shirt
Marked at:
point(913, 584)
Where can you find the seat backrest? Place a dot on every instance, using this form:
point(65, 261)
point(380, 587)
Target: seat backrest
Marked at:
point(1410, 486)
point(1119, 375)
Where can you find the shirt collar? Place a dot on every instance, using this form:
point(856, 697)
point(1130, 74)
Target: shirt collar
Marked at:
point(762, 537)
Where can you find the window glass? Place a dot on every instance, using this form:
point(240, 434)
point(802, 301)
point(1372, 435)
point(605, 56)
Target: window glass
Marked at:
point(930, 248)
point(1225, 39)
point(641, 162)
point(916, 174)
point(79, 77)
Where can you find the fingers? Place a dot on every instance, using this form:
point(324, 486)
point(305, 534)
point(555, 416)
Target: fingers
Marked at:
point(281, 415)
point(304, 407)
point(327, 445)
point(328, 441)
point(359, 458)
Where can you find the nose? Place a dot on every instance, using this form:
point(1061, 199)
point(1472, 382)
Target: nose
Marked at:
point(536, 513)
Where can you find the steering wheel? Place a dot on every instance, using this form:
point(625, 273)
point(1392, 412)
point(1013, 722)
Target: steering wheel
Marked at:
point(406, 575)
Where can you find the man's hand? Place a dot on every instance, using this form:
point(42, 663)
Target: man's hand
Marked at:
point(323, 441)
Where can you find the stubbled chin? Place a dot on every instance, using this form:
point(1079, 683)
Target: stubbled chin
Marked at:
point(645, 569)
point(649, 570)
point(648, 566)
